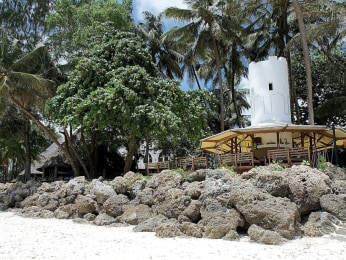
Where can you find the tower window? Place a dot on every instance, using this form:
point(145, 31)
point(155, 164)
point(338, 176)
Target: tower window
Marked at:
point(270, 86)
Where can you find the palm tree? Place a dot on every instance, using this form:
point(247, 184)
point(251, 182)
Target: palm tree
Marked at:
point(22, 84)
point(203, 27)
point(160, 47)
point(307, 62)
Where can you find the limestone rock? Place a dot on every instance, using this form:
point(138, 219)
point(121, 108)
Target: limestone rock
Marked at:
point(114, 206)
point(30, 201)
point(269, 212)
point(150, 224)
point(169, 229)
point(264, 236)
point(338, 186)
point(319, 224)
point(335, 205)
point(66, 211)
point(102, 191)
point(275, 183)
point(135, 214)
point(136, 187)
point(75, 186)
point(85, 204)
point(198, 175)
point(46, 187)
point(306, 186)
point(193, 211)
point(103, 219)
point(219, 224)
point(170, 203)
point(191, 229)
point(193, 189)
point(89, 217)
point(120, 185)
point(145, 196)
point(165, 180)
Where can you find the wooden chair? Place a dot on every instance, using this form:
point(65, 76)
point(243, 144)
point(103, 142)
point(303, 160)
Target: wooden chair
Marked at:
point(245, 161)
point(298, 155)
point(152, 167)
point(163, 165)
point(227, 159)
point(200, 162)
point(186, 163)
point(278, 155)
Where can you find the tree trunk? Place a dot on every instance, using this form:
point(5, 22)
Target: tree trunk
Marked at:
point(45, 130)
point(130, 153)
point(27, 169)
point(234, 93)
point(307, 62)
point(196, 77)
point(222, 105)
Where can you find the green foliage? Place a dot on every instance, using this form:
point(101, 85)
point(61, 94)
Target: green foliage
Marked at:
point(117, 86)
point(25, 20)
point(277, 165)
point(136, 177)
point(182, 173)
point(322, 163)
point(229, 167)
point(306, 163)
point(330, 93)
point(73, 23)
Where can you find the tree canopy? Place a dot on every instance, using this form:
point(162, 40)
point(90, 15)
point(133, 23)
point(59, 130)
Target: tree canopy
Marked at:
point(116, 85)
point(119, 86)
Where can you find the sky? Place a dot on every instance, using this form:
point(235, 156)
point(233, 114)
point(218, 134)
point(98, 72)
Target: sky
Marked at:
point(156, 7)
point(153, 6)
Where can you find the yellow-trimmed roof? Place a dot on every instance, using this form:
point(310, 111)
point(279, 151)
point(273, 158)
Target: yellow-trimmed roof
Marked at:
point(221, 143)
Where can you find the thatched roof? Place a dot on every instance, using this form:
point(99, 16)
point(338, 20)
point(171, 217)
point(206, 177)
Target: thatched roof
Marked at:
point(51, 157)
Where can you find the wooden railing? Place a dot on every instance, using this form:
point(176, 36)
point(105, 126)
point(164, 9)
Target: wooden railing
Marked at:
point(240, 161)
point(193, 162)
point(278, 155)
point(189, 163)
point(298, 155)
point(289, 156)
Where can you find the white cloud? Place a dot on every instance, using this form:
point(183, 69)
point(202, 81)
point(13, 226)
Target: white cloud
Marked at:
point(154, 6)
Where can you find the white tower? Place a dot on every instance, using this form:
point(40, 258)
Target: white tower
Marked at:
point(269, 92)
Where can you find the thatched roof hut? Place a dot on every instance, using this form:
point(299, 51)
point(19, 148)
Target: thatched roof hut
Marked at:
point(50, 161)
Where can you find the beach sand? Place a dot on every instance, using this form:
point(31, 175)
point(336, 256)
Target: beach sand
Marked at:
point(27, 238)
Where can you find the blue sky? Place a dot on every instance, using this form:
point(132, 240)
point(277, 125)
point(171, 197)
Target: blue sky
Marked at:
point(156, 7)
point(153, 6)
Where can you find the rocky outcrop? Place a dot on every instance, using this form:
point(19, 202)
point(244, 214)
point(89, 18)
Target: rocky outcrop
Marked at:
point(335, 204)
point(264, 236)
point(85, 204)
point(320, 223)
point(261, 208)
point(306, 186)
point(114, 206)
point(267, 202)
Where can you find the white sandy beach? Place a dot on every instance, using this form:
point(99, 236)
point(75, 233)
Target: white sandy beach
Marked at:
point(26, 238)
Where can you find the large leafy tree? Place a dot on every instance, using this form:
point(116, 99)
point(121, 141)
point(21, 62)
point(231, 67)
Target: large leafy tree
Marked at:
point(72, 22)
point(330, 92)
point(26, 20)
point(116, 85)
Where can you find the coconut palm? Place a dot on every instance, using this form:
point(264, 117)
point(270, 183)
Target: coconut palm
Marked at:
point(307, 62)
point(22, 84)
point(160, 47)
point(203, 28)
